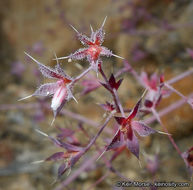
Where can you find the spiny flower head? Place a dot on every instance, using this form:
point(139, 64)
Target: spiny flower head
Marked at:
point(60, 90)
point(126, 135)
point(93, 47)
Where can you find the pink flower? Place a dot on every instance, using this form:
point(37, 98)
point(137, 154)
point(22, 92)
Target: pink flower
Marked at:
point(60, 90)
point(154, 84)
point(93, 47)
point(126, 134)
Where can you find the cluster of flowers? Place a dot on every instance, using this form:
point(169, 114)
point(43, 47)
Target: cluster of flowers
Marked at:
point(129, 129)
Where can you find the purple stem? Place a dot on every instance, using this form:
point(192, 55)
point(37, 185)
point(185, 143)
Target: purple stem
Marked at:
point(179, 93)
point(74, 175)
point(99, 180)
point(165, 129)
point(100, 131)
point(180, 76)
point(81, 75)
point(88, 162)
point(168, 109)
point(133, 72)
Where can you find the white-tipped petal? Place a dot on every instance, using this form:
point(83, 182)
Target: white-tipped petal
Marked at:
point(32, 58)
point(40, 132)
point(74, 29)
point(164, 133)
point(56, 58)
point(139, 163)
point(91, 29)
point(59, 58)
point(38, 162)
point(69, 171)
point(53, 121)
point(101, 155)
point(104, 22)
point(117, 56)
point(75, 99)
point(25, 97)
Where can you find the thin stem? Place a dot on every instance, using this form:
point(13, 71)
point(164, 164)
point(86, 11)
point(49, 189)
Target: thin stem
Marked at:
point(82, 119)
point(81, 75)
point(87, 163)
point(168, 109)
point(132, 71)
point(174, 90)
point(180, 94)
point(180, 76)
point(100, 131)
point(165, 129)
point(74, 175)
point(99, 180)
point(119, 103)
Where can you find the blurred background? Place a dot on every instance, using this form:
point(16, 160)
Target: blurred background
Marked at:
point(152, 35)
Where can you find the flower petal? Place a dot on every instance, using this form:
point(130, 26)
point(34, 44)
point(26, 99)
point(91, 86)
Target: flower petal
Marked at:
point(116, 141)
point(113, 82)
point(46, 89)
point(61, 72)
point(133, 145)
point(106, 52)
point(142, 129)
point(62, 168)
point(99, 35)
point(56, 156)
point(83, 39)
point(45, 70)
point(153, 81)
point(71, 147)
point(144, 79)
point(79, 54)
point(134, 110)
point(120, 120)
